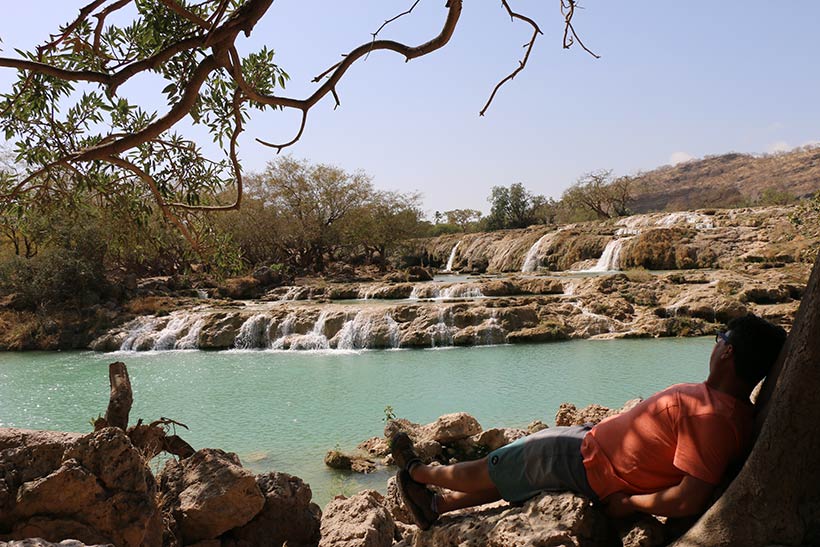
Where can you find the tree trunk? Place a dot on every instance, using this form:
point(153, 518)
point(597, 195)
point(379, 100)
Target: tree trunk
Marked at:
point(121, 399)
point(776, 497)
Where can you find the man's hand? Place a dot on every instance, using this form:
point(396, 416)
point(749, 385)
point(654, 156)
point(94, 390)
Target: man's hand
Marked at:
point(618, 506)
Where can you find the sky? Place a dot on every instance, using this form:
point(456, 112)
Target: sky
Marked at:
point(675, 81)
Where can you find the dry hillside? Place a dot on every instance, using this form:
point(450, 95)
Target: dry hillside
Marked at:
point(729, 180)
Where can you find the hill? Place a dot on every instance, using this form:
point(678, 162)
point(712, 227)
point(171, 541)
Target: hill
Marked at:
point(729, 180)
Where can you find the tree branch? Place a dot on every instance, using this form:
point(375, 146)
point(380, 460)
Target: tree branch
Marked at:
point(568, 11)
point(522, 63)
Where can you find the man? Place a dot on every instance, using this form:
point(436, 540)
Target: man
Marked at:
point(664, 457)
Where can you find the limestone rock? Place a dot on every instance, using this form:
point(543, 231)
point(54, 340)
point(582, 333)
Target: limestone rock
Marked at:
point(497, 437)
point(288, 515)
point(547, 519)
point(375, 446)
point(451, 427)
point(359, 521)
point(95, 488)
point(568, 414)
point(208, 494)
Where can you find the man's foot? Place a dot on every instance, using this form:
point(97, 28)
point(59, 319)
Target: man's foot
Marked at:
point(401, 447)
point(418, 499)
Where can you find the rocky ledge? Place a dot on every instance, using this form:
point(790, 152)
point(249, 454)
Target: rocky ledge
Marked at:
point(491, 310)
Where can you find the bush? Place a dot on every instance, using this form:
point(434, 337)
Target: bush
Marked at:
point(54, 277)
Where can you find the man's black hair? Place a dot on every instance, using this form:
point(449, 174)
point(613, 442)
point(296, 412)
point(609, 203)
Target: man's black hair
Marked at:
point(756, 343)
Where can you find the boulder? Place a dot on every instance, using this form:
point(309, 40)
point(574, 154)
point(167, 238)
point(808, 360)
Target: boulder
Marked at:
point(288, 515)
point(241, 288)
point(547, 519)
point(451, 427)
point(208, 494)
point(220, 330)
point(359, 521)
point(94, 488)
point(497, 437)
point(569, 415)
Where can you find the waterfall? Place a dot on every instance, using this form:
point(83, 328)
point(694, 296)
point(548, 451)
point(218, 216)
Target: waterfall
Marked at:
point(191, 340)
point(449, 267)
point(440, 333)
point(313, 340)
point(253, 333)
point(610, 258)
point(355, 333)
point(283, 331)
point(459, 291)
point(393, 332)
point(531, 261)
point(180, 330)
point(414, 294)
point(492, 331)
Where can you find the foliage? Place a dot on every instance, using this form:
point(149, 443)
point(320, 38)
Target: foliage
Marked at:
point(513, 207)
point(598, 195)
point(389, 414)
point(303, 214)
point(466, 220)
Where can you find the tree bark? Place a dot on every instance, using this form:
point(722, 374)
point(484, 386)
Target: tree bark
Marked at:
point(775, 498)
point(121, 399)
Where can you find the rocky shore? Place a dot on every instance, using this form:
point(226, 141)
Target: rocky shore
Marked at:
point(71, 490)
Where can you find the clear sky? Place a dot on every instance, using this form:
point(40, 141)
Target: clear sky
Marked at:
point(675, 80)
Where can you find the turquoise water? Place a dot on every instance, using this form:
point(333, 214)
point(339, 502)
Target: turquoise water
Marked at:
point(283, 410)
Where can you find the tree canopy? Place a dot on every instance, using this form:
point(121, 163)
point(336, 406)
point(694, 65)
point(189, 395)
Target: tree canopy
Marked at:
point(71, 128)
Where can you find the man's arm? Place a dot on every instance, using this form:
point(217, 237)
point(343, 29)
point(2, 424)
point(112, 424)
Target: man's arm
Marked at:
point(687, 498)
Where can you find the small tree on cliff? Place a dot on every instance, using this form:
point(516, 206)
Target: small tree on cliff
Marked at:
point(102, 140)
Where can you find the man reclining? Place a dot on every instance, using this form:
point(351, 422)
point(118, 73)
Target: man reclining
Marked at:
point(665, 456)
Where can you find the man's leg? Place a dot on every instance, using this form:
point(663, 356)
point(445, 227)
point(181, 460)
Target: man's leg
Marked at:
point(467, 477)
point(451, 501)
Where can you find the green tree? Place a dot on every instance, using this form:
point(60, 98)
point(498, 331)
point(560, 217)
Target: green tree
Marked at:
point(312, 201)
point(513, 207)
point(465, 219)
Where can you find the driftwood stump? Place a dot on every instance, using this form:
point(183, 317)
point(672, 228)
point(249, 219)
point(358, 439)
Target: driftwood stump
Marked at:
point(121, 398)
point(151, 439)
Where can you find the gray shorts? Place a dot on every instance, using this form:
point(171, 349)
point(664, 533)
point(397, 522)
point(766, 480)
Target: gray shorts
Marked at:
point(547, 460)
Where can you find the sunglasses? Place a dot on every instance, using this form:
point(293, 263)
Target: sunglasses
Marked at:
point(721, 336)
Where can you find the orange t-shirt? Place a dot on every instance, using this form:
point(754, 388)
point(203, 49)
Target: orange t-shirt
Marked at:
point(686, 429)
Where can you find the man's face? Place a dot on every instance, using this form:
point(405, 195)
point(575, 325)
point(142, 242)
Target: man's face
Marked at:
point(721, 353)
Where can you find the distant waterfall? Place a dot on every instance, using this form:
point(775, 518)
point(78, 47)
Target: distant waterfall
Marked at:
point(611, 257)
point(458, 290)
point(531, 261)
point(449, 267)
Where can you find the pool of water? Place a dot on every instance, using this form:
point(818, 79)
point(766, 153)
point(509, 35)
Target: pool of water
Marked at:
point(283, 410)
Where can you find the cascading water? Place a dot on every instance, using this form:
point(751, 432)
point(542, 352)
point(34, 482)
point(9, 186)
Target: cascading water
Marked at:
point(313, 340)
point(178, 331)
point(531, 261)
point(191, 340)
point(253, 333)
point(610, 260)
point(441, 334)
point(393, 331)
point(355, 333)
point(451, 259)
point(283, 331)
